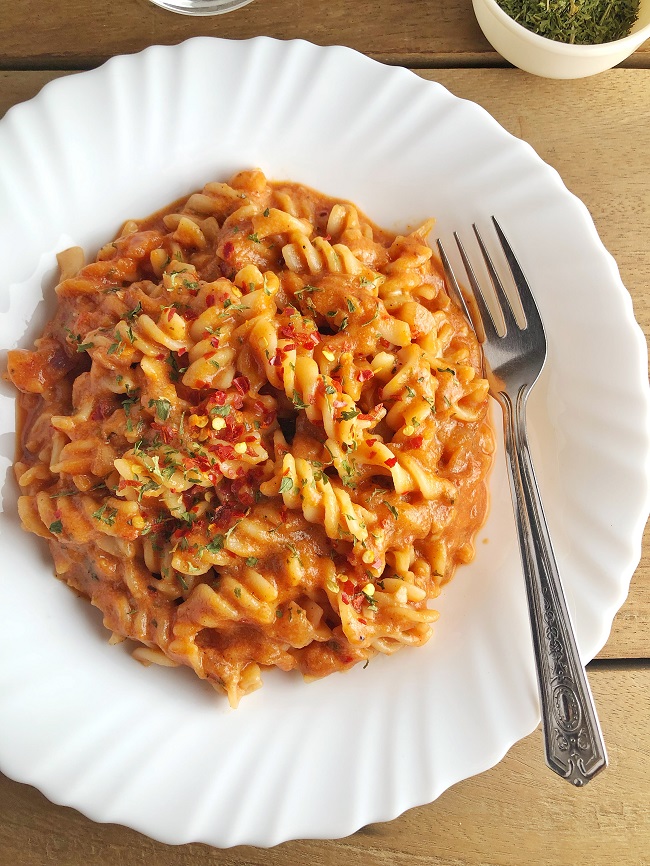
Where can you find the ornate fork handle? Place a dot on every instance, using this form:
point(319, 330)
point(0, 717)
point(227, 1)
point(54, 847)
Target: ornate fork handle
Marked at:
point(573, 740)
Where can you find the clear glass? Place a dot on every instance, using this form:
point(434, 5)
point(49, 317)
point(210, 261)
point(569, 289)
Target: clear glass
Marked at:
point(201, 7)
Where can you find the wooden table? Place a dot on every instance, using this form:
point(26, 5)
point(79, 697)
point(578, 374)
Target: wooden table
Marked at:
point(596, 132)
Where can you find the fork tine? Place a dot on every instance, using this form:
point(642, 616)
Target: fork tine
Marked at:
point(452, 283)
point(487, 321)
point(502, 299)
point(528, 304)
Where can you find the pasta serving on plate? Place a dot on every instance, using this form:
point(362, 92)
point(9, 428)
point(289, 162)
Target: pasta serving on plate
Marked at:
point(254, 433)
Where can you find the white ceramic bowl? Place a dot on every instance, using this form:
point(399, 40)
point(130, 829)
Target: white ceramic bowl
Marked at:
point(552, 59)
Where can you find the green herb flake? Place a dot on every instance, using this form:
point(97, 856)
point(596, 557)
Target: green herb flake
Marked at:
point(163, 408)
point(298, 402)
point(216, 544)
point(106, 514)
point(56, 527)
point(251, 561)
point(286, 485)
point(391, 508)
point(589, 22)
point(134, 312)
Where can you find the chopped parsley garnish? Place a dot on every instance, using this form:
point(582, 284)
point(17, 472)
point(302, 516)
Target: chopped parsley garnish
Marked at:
point(391, 508)
point(298, 402)
point(56, 527)
point(349, 414)
point(134, 312)
point(106, 514)
point(251, 561)
point(286, 485)
point(216, 544)
point(163, 408)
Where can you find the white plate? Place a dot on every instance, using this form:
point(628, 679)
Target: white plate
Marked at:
point(156, 749)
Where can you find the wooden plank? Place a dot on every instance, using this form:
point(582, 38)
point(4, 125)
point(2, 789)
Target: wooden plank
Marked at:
point(517, 813)
point(602, 155)
point(82, 33)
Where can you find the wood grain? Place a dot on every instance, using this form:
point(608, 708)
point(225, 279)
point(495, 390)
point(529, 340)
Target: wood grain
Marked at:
point(82, 33)
point(517, 813)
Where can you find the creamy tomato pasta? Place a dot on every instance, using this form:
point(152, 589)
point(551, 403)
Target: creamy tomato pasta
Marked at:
point(254, 433)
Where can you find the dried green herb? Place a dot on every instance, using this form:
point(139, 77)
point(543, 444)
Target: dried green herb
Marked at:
point(579, 22)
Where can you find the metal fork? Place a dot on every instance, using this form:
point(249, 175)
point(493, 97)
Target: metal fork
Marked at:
point(573, 740)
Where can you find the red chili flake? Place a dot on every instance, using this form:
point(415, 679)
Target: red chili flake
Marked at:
point(363, 621)
point(243, 491)
point(348, 587)
point(217, 398)
point(357, 602)
point(364, 375)
point(228, 249)
point(236, 401)
point(287, 332)
point(383, 342)
point(372, 452)
point(416, 441)
point(182, 351)
point(390, 462)
point(233, 431)
point(214, 341)
point(209, 355)
point(225, 452)
point(209, 300)
point(126, 482)
point(371, 442)
point(345, 598)
point(201, 384)
point(290, 347)
point(166, 431)
point(276, 360)
point(202, 462)
point(170, 314)
point(242, 384)
point(160, 357)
